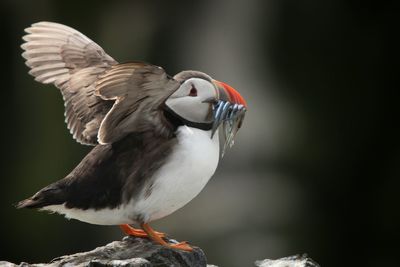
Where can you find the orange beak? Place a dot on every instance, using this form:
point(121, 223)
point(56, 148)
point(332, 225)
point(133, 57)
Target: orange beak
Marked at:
point(230, 93)
point(228, 111)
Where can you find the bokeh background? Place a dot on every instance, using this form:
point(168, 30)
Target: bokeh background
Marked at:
point(315, 168)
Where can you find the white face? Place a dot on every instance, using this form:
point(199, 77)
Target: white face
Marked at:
point(190, 100)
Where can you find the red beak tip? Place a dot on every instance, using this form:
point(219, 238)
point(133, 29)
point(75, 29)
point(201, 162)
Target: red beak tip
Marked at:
point(233, 94)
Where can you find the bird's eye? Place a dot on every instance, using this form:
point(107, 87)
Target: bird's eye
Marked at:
point(193, 91)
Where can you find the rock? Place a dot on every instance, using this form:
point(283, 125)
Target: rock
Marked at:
point(142, 252)
point(292, 261)
point(130, 252)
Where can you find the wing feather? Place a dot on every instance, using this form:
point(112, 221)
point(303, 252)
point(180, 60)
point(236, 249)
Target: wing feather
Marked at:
point(68, 59)
point(139, 90)
point(104, 101)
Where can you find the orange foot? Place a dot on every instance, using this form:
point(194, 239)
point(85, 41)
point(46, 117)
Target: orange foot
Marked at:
point(153, 235)
point(181, 245)
point(129, 230)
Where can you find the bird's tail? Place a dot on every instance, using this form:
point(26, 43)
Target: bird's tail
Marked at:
point(50, 195)
point(28, 203)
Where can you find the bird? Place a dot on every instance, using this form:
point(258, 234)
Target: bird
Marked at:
point(155, 137)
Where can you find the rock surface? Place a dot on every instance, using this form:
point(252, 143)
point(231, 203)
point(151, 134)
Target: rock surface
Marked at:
point(130, 252)
point(292, 261)
point(141, 252)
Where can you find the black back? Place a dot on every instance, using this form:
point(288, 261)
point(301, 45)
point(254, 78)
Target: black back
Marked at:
point(109, 175)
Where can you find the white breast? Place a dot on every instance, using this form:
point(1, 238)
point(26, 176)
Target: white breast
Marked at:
point(186, 172)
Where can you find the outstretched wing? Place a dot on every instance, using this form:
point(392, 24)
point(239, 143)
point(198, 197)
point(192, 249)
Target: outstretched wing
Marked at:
point(68, 59)
point(139, 90)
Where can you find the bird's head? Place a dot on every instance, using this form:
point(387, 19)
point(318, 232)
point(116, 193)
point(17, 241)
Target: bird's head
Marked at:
point(205, 103)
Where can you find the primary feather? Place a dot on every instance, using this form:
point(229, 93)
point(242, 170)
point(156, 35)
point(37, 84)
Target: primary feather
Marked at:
point(104, 100)
point(68, 59)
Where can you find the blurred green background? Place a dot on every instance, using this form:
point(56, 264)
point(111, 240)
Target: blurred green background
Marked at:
point(315, 168)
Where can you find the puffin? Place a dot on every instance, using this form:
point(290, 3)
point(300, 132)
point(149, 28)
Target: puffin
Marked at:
point(156, 138)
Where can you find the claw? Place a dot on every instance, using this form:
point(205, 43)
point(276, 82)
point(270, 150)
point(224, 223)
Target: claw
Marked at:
point(152, 235)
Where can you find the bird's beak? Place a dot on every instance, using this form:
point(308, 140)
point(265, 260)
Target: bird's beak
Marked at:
point(229, 110)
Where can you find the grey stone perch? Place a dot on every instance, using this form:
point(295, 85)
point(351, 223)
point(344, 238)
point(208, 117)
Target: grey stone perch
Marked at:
point(142, 252)
point(130, 252)
point(292, 261)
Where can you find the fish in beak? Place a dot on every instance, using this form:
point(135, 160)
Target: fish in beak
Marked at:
point(228, 110)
